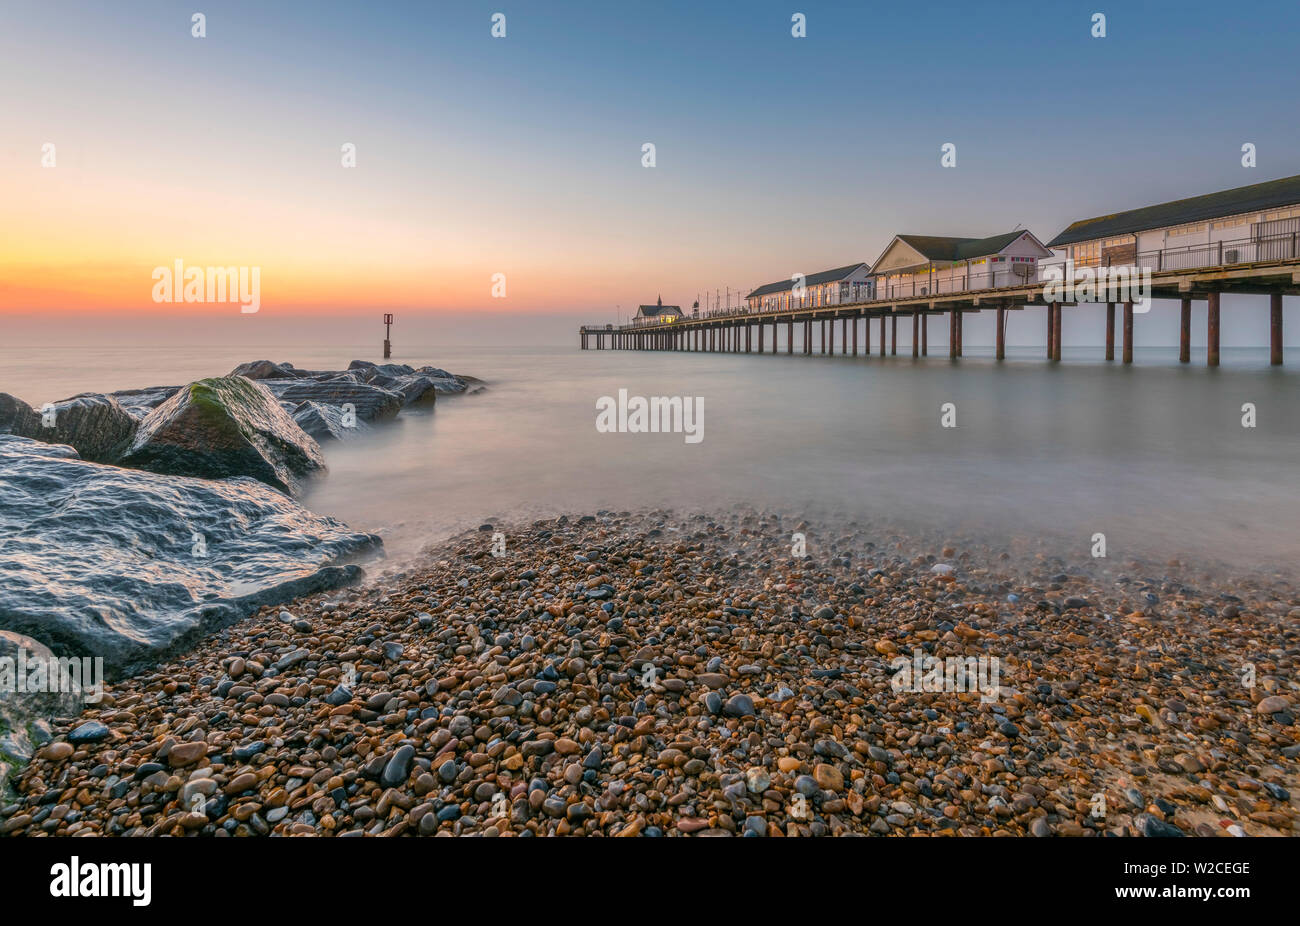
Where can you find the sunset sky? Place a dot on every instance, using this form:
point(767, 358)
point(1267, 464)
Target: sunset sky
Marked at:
point(522, 155)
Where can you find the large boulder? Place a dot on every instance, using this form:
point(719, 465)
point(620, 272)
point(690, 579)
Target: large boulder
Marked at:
point(327, 421)
point(222, 427)
point(264, 369)
point(369, 403)
point(131, 566)
point(140, 402)
point(96, 425)
point(16, 416)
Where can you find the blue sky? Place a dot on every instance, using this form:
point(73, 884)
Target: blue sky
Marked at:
point(774, 154)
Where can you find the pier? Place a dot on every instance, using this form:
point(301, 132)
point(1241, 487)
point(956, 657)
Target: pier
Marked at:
point(745, 330)
point(1244, 241)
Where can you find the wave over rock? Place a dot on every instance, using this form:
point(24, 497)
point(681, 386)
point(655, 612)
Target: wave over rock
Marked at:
point(97, 560)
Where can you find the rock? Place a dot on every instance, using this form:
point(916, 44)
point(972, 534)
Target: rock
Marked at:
point(828, 777)
point(328, 422)
point(1148, 825)
point(17, 417)
point(130, 601)
point(95, 425)
point(741, 705)
point(92, 731)
point(1040, 827)
point(398, 768)
point(218, 428)
point(369, 403)
point(183, 754)
point(1274, 704)
point(264, 369)
point(140, 402)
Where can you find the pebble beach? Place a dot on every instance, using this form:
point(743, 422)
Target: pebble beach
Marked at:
point(655, 674)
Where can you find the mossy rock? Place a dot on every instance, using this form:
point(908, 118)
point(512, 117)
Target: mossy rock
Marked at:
point(222, 427)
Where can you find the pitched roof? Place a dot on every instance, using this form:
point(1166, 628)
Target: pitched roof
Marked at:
point(812, 279)
point(935, 248)
point(1268, 195)
point(659, 310)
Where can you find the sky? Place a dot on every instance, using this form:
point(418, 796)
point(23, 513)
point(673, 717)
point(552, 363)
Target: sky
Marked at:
point(523, 156)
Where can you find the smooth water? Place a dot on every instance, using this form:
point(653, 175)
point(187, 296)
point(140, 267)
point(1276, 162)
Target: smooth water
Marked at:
point(1153, 455)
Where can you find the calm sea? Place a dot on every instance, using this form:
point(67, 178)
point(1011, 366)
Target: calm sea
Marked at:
point(1154, 455)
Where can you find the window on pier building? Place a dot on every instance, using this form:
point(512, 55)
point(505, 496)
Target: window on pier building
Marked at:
point(1088, 252)
point(1186, 230)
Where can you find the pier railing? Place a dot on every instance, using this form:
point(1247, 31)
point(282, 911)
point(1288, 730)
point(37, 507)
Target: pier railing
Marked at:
point(1252, 250)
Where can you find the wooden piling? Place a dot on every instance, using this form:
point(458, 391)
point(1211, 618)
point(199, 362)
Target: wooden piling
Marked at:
point(1051, 328)
point(1212, 330)
point(1275, 329)
point(1056, 333)
point(952, 335)
point(882, 335)
point(1110, 331)
point(925, 334)
point(1128, 332)
point(1001, 351)
point(1185, 331)
point(893, 335)
point(916, 324)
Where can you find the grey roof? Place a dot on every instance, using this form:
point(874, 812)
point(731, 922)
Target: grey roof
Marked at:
point(659, 310)
point(1268, 195)
point(812, 279)
point(936, 248)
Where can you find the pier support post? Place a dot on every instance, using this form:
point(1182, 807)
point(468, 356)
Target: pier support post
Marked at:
point(844, 336)
point(866, 335)
point(855, 335)
point(893, 335)
point(1110, 331)
point(1185, 332)
point(882, 334)
point(961, 334)
point(952, 335)
point(1212, 325)
point(925, 334)
point(1128, 332)
point(789, 336)
point(828, 346)
point(1275, 329)
point(1001, 350)
point(1051, 327)
point(1056, 333)
point(916, 326)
